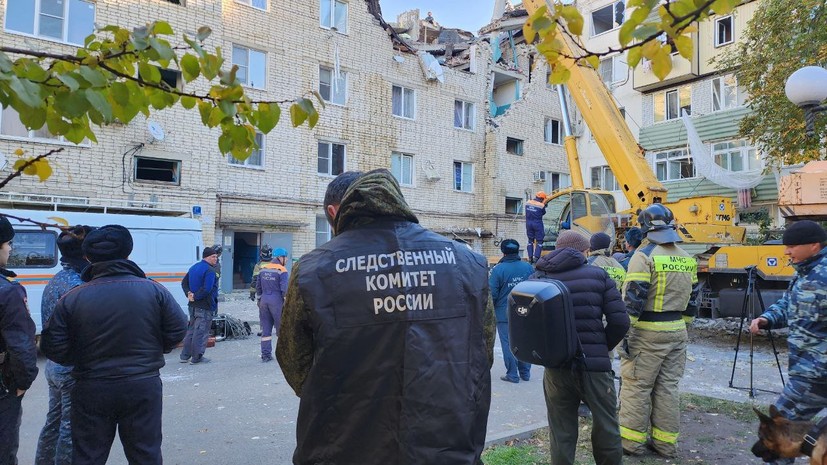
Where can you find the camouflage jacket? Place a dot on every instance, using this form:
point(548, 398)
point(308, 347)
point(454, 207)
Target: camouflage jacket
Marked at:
point(804, 309)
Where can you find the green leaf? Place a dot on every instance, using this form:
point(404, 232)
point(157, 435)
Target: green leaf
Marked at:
point(72, 104)
point(188, 102)
point(559, 75)
point(43, 169)
point(268, 117)
point(162, 47)
point(541, 24)
point(242, 142)
point(162, 27)
point(662, 62)
point(189, 67)
point(56, 124)
point(593, 61)
point(120, 93)
point(202, 33)
point(634, 56)
point(227, 107)
point(573, 18)
point(77, 133)
point(27, 91)
point(528, 32)
point(225, 143)
point(33, 119)
point(5, 63)
point(645, 31)
point(149, 73)
point(69, 81)
point(204, 108)
point(100, 103)
point(216, 116)
point(624, 36)
point(297, 115)
point(684, 45)
point(94, 77)
point(210, 65)
point(157, 98)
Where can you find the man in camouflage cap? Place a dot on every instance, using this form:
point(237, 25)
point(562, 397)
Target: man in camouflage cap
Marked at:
point(803, 308)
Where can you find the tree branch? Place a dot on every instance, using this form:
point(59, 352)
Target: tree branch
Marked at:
point(29, 163)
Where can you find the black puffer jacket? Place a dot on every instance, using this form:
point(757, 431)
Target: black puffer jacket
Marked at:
point(594, 295)
point(117, 325)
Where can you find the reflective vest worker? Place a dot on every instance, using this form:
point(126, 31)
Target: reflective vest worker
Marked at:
point(265, 256)
point(600, 248)
point(661, 298)
point(271, 287)
point(534, 211)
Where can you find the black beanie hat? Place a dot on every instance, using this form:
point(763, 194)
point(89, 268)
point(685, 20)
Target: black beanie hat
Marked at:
point(70, 242)
point(208, 251)
point(509, 246)
point(804, 232)
point(110, 242)
point(634, 236)
point(6, 230)
point(600, 241)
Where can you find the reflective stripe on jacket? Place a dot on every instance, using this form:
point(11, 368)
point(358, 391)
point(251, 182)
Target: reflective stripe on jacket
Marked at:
point(610, 265)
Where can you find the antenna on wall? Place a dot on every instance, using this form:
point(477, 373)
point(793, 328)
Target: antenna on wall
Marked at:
point(156, 132)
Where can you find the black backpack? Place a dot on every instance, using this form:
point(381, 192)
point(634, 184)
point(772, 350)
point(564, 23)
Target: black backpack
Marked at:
point(541, 326)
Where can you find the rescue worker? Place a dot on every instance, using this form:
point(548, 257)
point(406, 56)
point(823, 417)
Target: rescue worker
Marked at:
point(661, 299)
point(802, 309)
point(265, 256)
point(534, 211)
point(387, 337)
point(600, 249)
point(271, 287)
point(633, 238)
point(18, 352)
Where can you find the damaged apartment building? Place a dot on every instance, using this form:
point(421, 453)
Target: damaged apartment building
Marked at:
point(466, 123)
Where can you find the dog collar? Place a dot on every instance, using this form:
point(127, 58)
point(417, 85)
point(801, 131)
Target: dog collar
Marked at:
point(811, 438)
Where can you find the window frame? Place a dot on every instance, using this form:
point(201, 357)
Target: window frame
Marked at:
point(603, 171)
point(463, 165)
point(664, 97)
point(615, 25)
point(518, 208)
point(402, 105)
point(672, 156)
point(330, 154)
point(465, 115)
point(718, 93)
point(328, 232)
point(563, 180)
point(412, 170)
point(260, 140)
point(739, 147)
point(616, 76)
point(31, 137)
point(550, 131)
point(518, 146)
point(177, 171)
point(344, 93)
point(249, 51)
point(718, 21)
point(64, 39)
point(250, 4)
point(332, 18)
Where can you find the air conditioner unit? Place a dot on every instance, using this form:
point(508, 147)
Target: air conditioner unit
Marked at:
point(540, 176)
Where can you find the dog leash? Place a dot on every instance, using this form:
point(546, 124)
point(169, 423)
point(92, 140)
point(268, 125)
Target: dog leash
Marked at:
point(811, 438)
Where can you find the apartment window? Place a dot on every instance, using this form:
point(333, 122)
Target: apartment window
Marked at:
point(172, 78)
point(724, 31)
point(726, 94)
point(64, 20)
point(260, 4)
point(608, 18)
point(402, 168)
point(674, 164)
point(256, 159)
point(463, 176)
point(12, 127)
point(613, 70)
point(556, 181)
point(463, 115)
point(736, 155)
point(603, 178)
point(333, 89)
point(331, 159)
point(404, 102)
point(334, 15)
point(514, 146)
point(176, 2)
point(513, 206)
point(252, 66)
point(323, 230)
point(668, 105)
point(553, 131)
point(157, 170)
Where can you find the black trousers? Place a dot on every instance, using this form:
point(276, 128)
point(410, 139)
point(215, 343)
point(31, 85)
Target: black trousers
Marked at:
point(99, 407)
point(10, 415)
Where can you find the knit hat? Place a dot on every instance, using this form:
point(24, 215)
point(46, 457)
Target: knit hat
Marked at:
point(509, 246)
point(804, 232)
point(110, 242)
point(70, 242)
point(572, 239)
point(600, 241)
point(208, 251)
point(634, 236)
point(6, 230)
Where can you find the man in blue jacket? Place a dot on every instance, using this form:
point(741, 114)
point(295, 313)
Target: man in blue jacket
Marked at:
point(535, 230)
point(271, 287)
point(203, 297)
point(510, 271)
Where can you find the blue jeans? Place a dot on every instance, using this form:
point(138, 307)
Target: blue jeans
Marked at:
point(514, 369)
point(55, 444)
point(198, 331)
point(11, 414)
point(801, 400)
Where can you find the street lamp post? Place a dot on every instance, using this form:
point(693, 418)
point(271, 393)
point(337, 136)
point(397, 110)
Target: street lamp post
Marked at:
point(807, 88)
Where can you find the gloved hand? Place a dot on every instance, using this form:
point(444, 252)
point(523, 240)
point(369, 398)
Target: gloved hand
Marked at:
point(253, 296)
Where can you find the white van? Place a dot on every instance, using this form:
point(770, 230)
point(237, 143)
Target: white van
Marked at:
point(164, 247)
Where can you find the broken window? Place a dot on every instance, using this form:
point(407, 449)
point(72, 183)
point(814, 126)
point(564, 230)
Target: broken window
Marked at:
point(157, 170)
point(252, 66)
point(334, 15)
point(553, 131)
point(331, 159)
point(463, 115)
point(463, 176)
point(256, 159)
point(723, 31)
point(673, 165)
point(725, 93)
point(514, 146)
point(332, 90)
point(260, 4)
point(513, 205)
point(404, 102)
point(402, 168)
point(171, 78)
point(607, 18)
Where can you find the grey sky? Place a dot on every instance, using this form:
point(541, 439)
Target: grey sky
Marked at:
point(464, 14)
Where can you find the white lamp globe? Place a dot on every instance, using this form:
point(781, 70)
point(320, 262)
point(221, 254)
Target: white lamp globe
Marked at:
point(807, 86)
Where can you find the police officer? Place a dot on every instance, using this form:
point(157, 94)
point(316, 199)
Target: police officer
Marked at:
point(271, 287)
point(802, 309)
point(534, 211)
point(18, 353)
point(387, 337)
point(600, 249)
point(661, 298)
point(265, 255)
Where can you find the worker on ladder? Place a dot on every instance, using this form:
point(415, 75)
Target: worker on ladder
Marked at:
point(534, 211)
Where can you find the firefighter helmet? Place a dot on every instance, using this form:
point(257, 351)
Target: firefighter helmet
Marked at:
point(266, 253)
point(658, 224)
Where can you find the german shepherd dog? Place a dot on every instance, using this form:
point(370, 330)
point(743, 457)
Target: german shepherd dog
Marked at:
point(782, 438)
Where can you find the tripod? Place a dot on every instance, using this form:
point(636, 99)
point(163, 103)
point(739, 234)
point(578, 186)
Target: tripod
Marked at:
point(748, 312)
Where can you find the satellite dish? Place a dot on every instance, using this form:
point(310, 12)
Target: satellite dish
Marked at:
point(431, 67)
point(155, 130)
